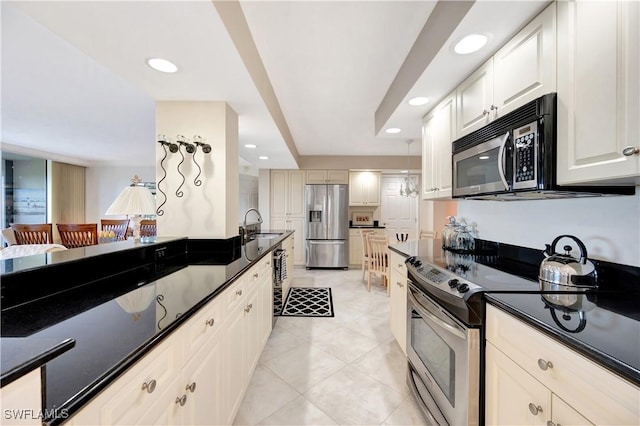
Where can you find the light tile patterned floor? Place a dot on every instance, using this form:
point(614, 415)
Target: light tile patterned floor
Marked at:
point(346, 370)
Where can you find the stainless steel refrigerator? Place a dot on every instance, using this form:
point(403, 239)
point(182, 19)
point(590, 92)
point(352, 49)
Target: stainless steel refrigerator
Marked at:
point(327, 223)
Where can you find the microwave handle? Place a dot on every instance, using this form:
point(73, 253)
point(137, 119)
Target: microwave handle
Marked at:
point(501, 164)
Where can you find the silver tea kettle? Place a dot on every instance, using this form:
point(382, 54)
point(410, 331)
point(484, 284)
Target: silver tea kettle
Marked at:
point(563, 272)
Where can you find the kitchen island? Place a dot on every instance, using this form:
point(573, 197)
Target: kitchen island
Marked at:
point(122, 317)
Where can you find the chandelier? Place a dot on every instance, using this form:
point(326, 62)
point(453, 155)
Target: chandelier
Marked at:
point(408, 188)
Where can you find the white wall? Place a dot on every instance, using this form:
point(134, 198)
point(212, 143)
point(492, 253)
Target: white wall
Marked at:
point(104, 184)
point(211, 209)
point(248, 196)
point(608, 226)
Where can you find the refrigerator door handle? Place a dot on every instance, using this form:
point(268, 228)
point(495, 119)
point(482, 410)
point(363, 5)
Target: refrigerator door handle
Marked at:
point(332, 242)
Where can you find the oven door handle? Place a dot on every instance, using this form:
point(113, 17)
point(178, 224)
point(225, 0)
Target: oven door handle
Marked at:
point(435, 319)
point(501, 165)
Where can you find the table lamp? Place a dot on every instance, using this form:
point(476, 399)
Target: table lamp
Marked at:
point(134, 201)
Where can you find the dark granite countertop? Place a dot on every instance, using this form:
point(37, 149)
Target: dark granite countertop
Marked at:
point(602, 335)
point(114, 323)
point(19, 356)
point(611, 334)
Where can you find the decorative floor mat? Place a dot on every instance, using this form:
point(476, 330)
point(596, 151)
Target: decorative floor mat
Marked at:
point(308, 302)
point(277, 300)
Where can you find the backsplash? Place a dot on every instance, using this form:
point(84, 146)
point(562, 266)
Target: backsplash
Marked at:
point(608, 226)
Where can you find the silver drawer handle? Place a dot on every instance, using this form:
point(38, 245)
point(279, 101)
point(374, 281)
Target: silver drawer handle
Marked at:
point(239, 292)
point(149, 386)
point(399, 284)
point(550, 423)
point(544, 365)
point(191, 388)
point(400, 265)
point(628, 151)
point(210, 322)
point(535, 409)
point(255, 275)
point(181, 400)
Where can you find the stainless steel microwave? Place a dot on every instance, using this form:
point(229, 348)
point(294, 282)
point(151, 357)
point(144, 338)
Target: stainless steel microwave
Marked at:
point(514, 158)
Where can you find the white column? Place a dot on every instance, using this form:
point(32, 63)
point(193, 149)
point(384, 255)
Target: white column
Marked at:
point(211, 209)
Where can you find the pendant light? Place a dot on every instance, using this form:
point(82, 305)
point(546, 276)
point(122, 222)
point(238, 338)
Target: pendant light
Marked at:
point(408, 188)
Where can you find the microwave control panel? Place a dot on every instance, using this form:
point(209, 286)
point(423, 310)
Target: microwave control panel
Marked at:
point(525, 141)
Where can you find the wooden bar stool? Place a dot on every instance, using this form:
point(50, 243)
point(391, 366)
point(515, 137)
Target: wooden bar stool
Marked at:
point(75, 235)
point(118, 226)
point(40, 233)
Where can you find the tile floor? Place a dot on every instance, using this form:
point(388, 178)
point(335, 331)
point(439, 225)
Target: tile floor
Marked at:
point(346, 370)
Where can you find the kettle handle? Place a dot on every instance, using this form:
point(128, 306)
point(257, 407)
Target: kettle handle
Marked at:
point(583, 248)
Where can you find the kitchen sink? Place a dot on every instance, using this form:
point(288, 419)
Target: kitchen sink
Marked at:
point(265, 235)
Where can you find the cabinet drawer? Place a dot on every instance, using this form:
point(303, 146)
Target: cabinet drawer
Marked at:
point(236, 293)
point(150, 382)
point(257, 273)
point(204, 325)
point(397, 263)
point(598, 394)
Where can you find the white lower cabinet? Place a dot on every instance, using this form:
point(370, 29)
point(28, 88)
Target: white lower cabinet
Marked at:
point(21, 400)
point(145, 394)
point(199, 374)
point(514, 397)
point(295, 224)
point(398, 299)
point(532, 379)
point(249, 326)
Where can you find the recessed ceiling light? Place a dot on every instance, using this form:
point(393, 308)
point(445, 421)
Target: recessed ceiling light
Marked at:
point(470, 44)
point(483, 157)
point(393, 130)
point(162, 65)
point(418, 100)
point(404, 171)
point(263, 157)
point(250, 145)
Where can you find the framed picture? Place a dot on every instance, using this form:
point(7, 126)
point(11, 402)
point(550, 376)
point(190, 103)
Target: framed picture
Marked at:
point(361, 218)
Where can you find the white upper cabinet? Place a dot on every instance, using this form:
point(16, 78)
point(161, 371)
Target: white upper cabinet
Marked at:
point(287, 193)
point(598, 91)
point(364, 189)
point(475, 100)
point(521, 71)
point(525, 68)
point(328, 176)
point(438, 130)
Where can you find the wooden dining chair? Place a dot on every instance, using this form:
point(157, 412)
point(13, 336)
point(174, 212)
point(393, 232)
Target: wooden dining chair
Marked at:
point(365, 248)
point(74, 235)
point(378, 259)
point(118, 226)
point(148, 228)
point(41, 233)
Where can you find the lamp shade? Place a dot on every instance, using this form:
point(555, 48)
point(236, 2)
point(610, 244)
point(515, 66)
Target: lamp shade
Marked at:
point(133, 200)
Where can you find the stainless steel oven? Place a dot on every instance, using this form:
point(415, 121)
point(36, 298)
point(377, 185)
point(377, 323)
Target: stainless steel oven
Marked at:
point(444, 362)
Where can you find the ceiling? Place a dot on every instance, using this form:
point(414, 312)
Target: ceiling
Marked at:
point(307, 78)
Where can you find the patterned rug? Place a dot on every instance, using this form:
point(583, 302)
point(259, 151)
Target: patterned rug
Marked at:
point(308, 302)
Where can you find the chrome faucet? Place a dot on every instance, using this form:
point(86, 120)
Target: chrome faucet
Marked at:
point(246, 234)
point(244, 222)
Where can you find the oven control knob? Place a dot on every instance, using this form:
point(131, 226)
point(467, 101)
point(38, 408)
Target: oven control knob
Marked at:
point(463, 288)
point(417, 263)
point(411, 260)
point(453, 283)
